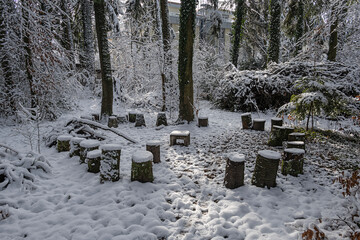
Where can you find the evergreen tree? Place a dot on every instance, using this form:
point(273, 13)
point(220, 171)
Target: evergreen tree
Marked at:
point(236, 31)
point(274, 31)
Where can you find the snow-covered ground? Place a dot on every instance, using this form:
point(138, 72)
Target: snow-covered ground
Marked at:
point(187, 199)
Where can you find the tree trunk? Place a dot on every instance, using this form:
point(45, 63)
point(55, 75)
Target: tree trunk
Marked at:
point(105, 61)
point(87, 56)
point(274, 32)
point(333, 41)
point(186, 42)
point(236, 30)
point(299, 26)
point(67, 39)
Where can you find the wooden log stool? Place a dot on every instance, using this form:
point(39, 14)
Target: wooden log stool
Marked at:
point(161, 119)
point(203, 121)
point(110, 162)
point(63, 143)
point(293, 162)
point(276, 122)
point(288, 130)
point(93, 159)
point(266, 167)
point(180, 138)
point(234, 171)
point(113, 122)
point(296, 136)
point(121, 119)
point(75, 146)
point(132, 117)
point(246, 120)
point(141, 167)
point(87, 146)
point(259, 124)
point(296, 144)
point(277, 136)
point(140, 120)
point(154, 148)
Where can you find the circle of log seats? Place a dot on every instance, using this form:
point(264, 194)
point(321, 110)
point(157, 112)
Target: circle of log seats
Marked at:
point(93, 159)
point(121, 119)
point(259, 124)
point(110, 162)
point(132, 117)
point(296, 136)
point(276, 122)
point(140, 120)
point(87, 146)
point(63, 143)
point(246, 120)
point(75, 146)
point(154, 148)
point(141, 167)
point(266, 167)
point(203, 121)
point(234, 171)
point(161, 119)
point(95, 117)
point(293, 162)
point(296, 144)
point(180, 135)
point(113, 122)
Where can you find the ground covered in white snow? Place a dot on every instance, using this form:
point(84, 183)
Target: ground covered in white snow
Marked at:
point(187, 199)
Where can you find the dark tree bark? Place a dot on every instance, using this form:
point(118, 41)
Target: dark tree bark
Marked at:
point(274, 31)
point(105, 61)
point(67, 36)
point(299, 27)
point(333, 41)
point(236, 29)
point(186, 49)
point(87, 56)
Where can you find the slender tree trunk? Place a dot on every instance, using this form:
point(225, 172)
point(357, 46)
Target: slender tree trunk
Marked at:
point(299, 26)
point(333, 41)
point(105, 61)
point(186, 48)
point(67, 38)
point(87, 56)
point(309, 115)
point(236, 29)
point(274, 32)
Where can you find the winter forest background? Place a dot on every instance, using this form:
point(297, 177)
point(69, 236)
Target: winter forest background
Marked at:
point(298, 60)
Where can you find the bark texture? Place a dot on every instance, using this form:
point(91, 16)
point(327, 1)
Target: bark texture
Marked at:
point(274, 32)
point(236, 31)
point(265, 172)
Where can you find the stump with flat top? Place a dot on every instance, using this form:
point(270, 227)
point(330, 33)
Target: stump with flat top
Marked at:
point(276, 122)
point(87, 146)
point(203, 121)
point(140, 120)
point(234, 171)
point(113, 122)
point(296, 144)
point(63, 143)
point(288, 130)
point(75, 146)
point(93, 159)
point(95, 117)
point(266, 166)
point(277, 136)
point(141, 167)
point(259, 124)
point(296, 136)
point(110, 162)
point(154, 148)
point(132, 117)
point(246, 120)
point(161, 119)
point(121, 119)
point(180, 138)
point(293, 162)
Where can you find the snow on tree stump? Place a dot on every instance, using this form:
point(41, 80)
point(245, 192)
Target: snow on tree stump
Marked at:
point(180, 138)
point(87, 146)
point(140, 120)
point(246, 120)
point(95, 117)
point(132, 117)
point(296, 136)
point(293, 162)
point(234, 171)
point(113, 122)
point(93, 159)
point(110, 162)
point(154, 148)
point(75, 146)
point(266, 166)
point(63, 143)
point(259, 124)
point(296, 144)
point(276, 122)
point(161, 119)
point(141, 167)
point(203, 121)
point(121, 119)
point(277, 136)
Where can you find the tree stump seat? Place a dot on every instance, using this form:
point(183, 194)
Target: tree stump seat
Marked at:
point(293, 161)
point(154, 148)
point(113, 122)
point(296, 136)
point(141, 167)
point(140, 120)
point(63, 143)
point(93, 159)
point(276, 122)
point(161, 119)
point(258, 124)
point(265, 170)
point(75, 146)
point(180, 138)
point(132, 116)
point(296, 144)
point(87, 146)
point(110, 162)
point(122, 119)
point(234, 171)
point(279, 134)
point(203, 121)
point(246, 120)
